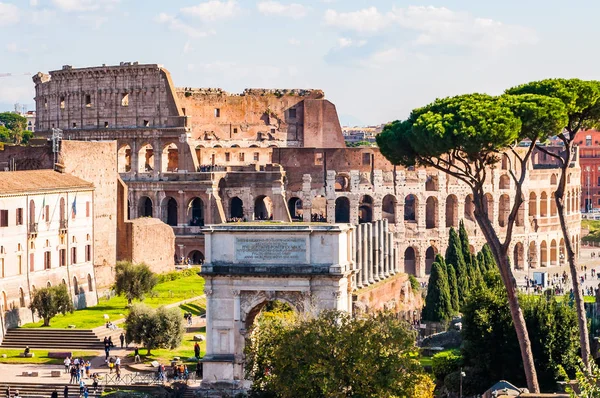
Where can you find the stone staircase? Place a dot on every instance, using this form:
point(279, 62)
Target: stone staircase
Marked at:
point(44, 390)
point(66, 339)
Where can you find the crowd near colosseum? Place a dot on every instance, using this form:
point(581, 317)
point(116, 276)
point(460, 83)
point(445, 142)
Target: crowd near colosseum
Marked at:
point(204, 156)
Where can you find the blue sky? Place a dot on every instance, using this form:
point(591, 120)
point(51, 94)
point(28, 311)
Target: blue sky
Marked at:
point(376, 60)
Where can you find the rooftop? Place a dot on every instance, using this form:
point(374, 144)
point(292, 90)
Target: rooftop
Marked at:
point(12, 182)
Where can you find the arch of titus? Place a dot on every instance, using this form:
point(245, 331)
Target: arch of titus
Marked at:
point(310, 267)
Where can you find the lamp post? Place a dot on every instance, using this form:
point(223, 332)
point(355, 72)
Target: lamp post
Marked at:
point(462, 374)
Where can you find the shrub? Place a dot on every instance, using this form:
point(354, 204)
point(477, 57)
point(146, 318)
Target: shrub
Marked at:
point(414, 283)
point(445, 363)
point(174, 275)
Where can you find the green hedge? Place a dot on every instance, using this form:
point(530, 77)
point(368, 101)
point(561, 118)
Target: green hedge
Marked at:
point(444, 363)
point(174, 275)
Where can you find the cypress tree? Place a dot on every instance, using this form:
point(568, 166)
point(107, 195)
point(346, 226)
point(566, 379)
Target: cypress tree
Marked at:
point(454, 256)
point(464, 243)
point(438, 306)
point(452, 284)
point(490, 262)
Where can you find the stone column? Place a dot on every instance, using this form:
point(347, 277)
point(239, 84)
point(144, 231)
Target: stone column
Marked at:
point(386, 257)
point(209, 334)
point(365, 254)
point(157, 153)
point(370, 249)
point(390, 252)
point(236, 305)
point(135, 167)
point(381, 234)
point(331, 211)
point(360, 276)
point(376, 262)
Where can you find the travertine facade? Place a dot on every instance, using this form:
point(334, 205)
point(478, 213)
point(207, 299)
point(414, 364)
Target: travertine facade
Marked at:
point(46, 238)
point(206, 156)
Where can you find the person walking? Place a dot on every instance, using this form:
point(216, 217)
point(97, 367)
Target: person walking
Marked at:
point(54, 394)
point(66, 392)
point(81, 387)
point(136, 355)
point(88, 366)
point(85, 393)
point(74, 373)
point(197, 350)
point(118, 364)
point(122, 338)
point(67, 363)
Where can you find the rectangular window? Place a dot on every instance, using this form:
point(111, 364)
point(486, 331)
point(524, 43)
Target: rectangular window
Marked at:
point(74, 125)
point(88, 253)
point(125, 99)
point(3, 218)
point(235, 130)
point(2, 263)
point(73, 255)
point(47, 260)
point(62, 102)
point(292, 113)
point(105, 125)
point(146, 123)
point(599, 181)
point(272, 131)
point(319, 158)
point(227, 156)
point(20, 216)
point(62, 257)
point(31, 262)
point(88, 100)
point(20, 264)
point(47, 213)
point(45, 103)
point(366, 158)
point(241, 157)
point(217, 112)
point(256, 156)
point(87, 209)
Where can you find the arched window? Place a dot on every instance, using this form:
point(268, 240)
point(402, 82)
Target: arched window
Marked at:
point(451, 211)
point(196, 212)
point(342, 210)
point(410, 208)
point(295, 208)
point(75, 286)
point(236, 208)
point(389, 208)
point(365, 209)
point(145, 207)
point(410, 263)
point(431, 212)
point(21, 298)
point(263, 208)
point(89, 283)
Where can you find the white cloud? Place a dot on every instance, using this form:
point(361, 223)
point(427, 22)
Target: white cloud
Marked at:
point(187, 47)
point(293, 10)
point(34, 3)
point(42, 16)
point(346, 42)
point(95, 20)
point(294, 42)
point(9, 14)
point(85, 5)
point(365, 20)
point(16, 49)
point(213, 10)
point(178, 25)
point(19, 91)
point(435, 26)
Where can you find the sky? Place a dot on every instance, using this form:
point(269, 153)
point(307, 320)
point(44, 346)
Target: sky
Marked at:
point(375, 59)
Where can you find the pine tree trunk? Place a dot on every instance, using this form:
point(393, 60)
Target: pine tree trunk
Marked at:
point(501, 257)
point(559, 196)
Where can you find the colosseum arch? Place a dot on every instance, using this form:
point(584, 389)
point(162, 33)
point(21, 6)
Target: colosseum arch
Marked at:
point(319, 209)
point(342, 210)
point(263, 208)
point(562, 251)
point(145, 207)
point(342, 183)
point(431, 213)
point(553, 253)
point(146, 158)
point(544, 204)
point(196, 257)
point(504, 181)
point(295, 208)
point(503, 210)
point(553, 179)
point(520, 219)
point(388, 207)
point(544, 254)
point(236, 208)
point(410, 261)
point(552, 206)
point(469, 208)
point(532, 255)
point(195, 212)
point(170, 211)
point(170, 158)
point(504, 161)
point(365, 209)
point(410, 208)
point(124, 159)
point(488, 205)
point(519, 256)
point(429, 258)
point(532, 204)
point(451, 211)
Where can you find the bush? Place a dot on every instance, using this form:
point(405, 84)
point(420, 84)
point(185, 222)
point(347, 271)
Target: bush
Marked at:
point(444, 363)
point(174, 275)
point(414, 283)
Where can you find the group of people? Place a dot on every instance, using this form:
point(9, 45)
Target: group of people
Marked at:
point(316, 218)
point(188, 318)
point(77, 368)
point(236, 219)
point(209, 168)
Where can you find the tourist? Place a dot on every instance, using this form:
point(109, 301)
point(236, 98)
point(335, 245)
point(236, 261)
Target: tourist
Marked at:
point(26, 350)
point(111, 364)
point(118, 364)
point(136, 355)
point(85, 392)
point(74, 373)
point(122, 338)
point(8, 391)
point(88, 366)
point(95, 381)
point(110, 342)
point(199, 370)
point(81, 386)
point(66, 392)
point(54, 394)
point(197, 350)
point(17, 394)
point(67, 363)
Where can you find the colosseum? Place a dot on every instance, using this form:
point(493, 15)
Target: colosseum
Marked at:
point(204, 156)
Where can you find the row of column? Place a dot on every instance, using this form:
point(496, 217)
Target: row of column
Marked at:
point(376, 255)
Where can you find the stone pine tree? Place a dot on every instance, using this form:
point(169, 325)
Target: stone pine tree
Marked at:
point(454, 256)
point(453, 286)
point(438, 305)
point(464, 136)
point(582, 101)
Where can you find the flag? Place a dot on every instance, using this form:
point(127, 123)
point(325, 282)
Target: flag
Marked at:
point(74, 207)
point(43, 206)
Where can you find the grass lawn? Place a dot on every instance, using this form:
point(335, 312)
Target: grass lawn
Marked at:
point(428, 361)
point(184, 351)
point(41, 356)
point(594, 227)
point(586, 299)
point(197, 307)
point(116, 307)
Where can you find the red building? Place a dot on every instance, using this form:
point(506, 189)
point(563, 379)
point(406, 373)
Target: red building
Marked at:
point(589, 160)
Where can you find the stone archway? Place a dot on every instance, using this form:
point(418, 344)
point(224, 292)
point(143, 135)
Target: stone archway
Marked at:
point(342, 210)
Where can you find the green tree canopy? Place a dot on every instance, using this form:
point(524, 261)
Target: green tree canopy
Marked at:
point(453, 286)
point(51, 301)
point(155, 328)
point(335, 355)
point(438, 303)
point(13, 122)
point(133, 281)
